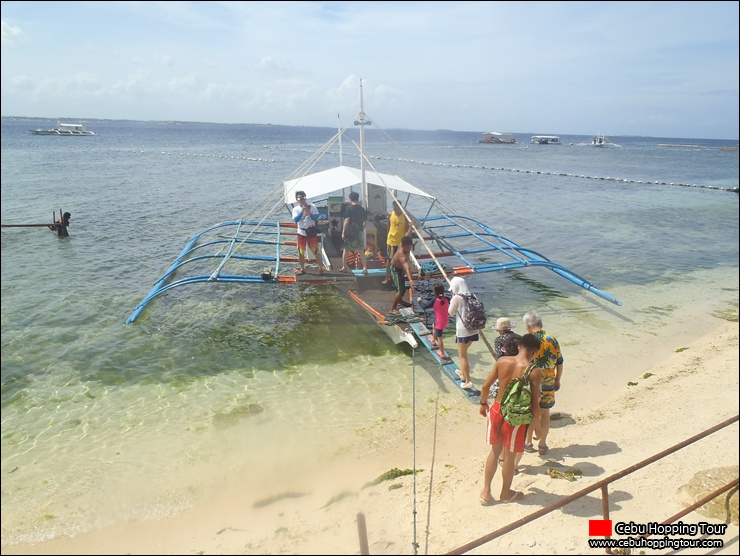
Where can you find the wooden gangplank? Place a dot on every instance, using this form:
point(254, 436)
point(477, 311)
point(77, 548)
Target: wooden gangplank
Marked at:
point(448, 365)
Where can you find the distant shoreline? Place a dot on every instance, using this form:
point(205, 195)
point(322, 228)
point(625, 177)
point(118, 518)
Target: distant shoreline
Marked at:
point(390, 129)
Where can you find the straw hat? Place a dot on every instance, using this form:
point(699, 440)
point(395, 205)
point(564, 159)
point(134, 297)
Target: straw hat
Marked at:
point(504, 323)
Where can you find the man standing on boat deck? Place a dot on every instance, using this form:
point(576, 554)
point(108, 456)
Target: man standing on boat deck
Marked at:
point(402, 270)
point(549, 360)
point(306, 215)
point(398, 228)
point(352, 231)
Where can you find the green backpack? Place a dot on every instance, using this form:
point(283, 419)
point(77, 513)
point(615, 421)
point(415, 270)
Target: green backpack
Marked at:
point(516, 403)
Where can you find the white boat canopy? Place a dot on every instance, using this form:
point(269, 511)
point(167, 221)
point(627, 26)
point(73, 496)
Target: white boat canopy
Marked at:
point(335, 179)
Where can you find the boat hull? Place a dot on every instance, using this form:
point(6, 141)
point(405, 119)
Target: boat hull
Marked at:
point(63, 132)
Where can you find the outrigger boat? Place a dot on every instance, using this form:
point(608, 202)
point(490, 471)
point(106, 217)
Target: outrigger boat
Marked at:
point(599, 140)
point(65, 130)
point(250, 251)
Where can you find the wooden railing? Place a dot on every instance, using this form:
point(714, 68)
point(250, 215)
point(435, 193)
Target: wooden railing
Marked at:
point(603, 486)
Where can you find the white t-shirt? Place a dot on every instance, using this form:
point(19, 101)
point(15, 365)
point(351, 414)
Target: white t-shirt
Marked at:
point(306, 221)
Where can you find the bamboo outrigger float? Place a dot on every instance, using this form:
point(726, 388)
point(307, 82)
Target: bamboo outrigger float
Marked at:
point(249, 251)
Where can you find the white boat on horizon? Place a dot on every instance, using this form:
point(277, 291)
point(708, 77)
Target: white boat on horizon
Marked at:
point(545, 140)
point(497, 138)
point(599, 140)
point(70, 130)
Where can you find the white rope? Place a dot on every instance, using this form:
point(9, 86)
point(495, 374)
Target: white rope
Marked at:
point(415, 544)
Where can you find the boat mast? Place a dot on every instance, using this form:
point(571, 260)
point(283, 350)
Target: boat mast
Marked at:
point(339, 132)
point(362, 122)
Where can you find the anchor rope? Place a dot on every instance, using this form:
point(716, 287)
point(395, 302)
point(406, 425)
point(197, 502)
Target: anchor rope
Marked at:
point(415, 544)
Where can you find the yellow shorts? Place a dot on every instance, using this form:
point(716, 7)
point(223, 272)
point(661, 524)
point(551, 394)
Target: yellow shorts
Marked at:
point(547, 388)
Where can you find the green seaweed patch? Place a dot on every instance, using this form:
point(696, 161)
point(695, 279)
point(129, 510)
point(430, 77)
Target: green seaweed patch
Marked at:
point(230, 529)
point(569, 475)
point(338, 497)
point(679, 350)
point(390, 475)
point(272, 499)
point(395, 486)
point(727, 314)
point(232, 417)
point(630, 383)
point(647, 375)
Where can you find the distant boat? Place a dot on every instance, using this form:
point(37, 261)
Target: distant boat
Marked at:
point(545, 140)
point(71, 130)
point(599, 140)
point(497, 138)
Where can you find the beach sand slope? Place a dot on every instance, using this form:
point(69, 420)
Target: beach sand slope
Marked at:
point(438, 510)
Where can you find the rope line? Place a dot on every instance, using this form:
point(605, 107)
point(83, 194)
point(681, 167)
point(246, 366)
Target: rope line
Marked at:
point(415, 544)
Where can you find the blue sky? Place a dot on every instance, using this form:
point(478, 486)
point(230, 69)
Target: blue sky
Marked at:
point(661, 69)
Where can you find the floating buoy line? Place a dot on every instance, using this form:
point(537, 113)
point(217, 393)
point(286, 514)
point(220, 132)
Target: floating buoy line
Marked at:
point(410, 161)
point(543, 173)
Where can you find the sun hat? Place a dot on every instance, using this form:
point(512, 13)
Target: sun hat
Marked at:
point(503, 323)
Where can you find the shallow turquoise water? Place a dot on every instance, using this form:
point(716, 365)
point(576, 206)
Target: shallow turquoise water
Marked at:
point(103, 421)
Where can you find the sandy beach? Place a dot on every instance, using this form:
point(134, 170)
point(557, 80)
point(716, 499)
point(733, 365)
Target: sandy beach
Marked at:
point(692, 387)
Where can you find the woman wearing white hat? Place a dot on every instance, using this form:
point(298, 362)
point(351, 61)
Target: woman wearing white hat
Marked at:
point(504, 328)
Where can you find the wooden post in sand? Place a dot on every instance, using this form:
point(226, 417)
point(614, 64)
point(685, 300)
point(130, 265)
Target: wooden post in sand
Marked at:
point(362, 532)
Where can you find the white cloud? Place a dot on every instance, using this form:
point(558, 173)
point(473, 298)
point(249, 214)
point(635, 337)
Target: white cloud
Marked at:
point(11, 34)
point(637, 68)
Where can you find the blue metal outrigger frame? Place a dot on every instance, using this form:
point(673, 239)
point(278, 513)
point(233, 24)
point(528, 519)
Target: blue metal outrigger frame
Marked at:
point(233, 242)
point(445, 230)
point(528, 257)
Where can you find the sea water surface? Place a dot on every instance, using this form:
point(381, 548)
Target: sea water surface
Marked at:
point(104, 422)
